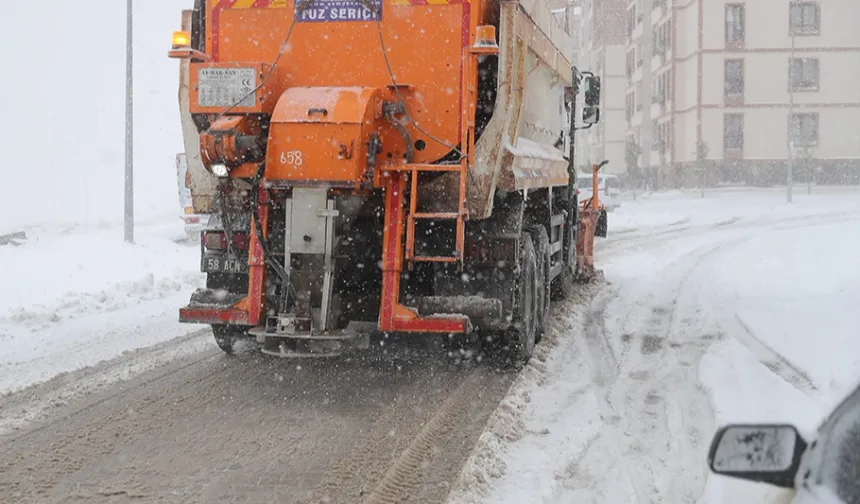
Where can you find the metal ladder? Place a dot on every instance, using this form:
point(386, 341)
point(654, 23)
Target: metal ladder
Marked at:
point(413, 216)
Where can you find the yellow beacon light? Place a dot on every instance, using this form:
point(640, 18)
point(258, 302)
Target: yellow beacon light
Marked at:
point(181, 39)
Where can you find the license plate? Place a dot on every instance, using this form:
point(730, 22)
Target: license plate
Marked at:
point(223, 264)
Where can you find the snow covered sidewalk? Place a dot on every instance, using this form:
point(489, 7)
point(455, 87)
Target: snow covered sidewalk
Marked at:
point(735, 307)
point(73, 297)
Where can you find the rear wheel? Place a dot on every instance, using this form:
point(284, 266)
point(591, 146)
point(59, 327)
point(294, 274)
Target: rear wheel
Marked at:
point(562, 285)
point(523, 332)
point(226, 336)
point(544, 264)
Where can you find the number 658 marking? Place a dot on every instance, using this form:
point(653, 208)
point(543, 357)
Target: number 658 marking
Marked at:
point(293, 158)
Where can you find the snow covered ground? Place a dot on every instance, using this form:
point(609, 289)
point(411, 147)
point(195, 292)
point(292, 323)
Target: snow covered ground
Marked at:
point(74, 296)
point(74, 293)
point(730, 308)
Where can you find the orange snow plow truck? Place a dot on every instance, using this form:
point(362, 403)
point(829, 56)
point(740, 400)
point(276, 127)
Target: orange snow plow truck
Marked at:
point(381, 166)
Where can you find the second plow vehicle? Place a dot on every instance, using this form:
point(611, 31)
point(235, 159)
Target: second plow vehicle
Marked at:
point(393, 166)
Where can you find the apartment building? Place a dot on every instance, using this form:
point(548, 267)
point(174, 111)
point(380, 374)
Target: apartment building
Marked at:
point(602, 45)
point(743, 87)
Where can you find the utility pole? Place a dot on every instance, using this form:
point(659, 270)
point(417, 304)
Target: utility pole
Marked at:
point(792, 76)
point(646, 45)
point(129, 129)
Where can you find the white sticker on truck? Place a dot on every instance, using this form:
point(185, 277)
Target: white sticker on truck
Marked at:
point(223, 87)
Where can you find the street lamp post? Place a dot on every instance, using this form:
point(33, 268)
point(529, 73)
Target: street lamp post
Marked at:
point(129, 130)
point(791, 73)
point(647, 86)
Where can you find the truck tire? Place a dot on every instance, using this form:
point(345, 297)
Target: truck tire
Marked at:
point(562, 285)
point(521, 339)
point(544, 264)
point(226, 336)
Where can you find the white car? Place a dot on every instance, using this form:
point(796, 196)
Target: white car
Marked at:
point(193, 222)
point(824, 469)
point(609, 186)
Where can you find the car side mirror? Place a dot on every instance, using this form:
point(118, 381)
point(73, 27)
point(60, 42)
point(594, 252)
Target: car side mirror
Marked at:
point(591, 87)
point(568, 97)
point(762, 453)
point(590, 114)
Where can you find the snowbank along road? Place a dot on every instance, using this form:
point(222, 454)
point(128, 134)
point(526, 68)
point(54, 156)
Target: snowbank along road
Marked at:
point(624, 410)
point(617, 405)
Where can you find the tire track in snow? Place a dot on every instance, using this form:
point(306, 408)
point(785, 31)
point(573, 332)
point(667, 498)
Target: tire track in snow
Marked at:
point(605, 366)
point(646, 418)
point(405, 474)
point(688, 413)
point(635, 237)
point(772, 359)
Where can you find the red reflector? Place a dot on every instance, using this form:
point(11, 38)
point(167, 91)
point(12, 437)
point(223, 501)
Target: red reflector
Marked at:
point(240, 240)
point(217, 240)
point(214, 240)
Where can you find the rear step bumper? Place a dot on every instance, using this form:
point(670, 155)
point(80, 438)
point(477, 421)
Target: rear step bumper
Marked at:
point(212, 306)
point(484, 312)
point(193, 315)
point(436, 314)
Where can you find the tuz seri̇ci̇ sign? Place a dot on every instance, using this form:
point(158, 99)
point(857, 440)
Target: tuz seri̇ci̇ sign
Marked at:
point(340, 10)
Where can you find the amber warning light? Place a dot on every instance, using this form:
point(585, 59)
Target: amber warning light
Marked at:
point(181, 39)
point(181, 47)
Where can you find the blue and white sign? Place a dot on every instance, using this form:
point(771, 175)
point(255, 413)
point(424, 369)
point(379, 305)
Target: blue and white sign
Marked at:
point(341, 10)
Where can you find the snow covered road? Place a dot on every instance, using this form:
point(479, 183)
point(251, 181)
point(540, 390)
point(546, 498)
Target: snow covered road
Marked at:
point(732, 308)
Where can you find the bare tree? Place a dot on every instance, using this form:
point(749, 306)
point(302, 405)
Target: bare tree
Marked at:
point(632, 151)
point(805, 164)
point(702, 151)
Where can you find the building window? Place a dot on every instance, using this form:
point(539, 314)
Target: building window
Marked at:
point(733, 132)
point(803, 74)
point(804, 18)
point(628, 106)
point(631, 62)
point(659, 136)
point(640, 11)
point(655, 136)
point(661, 40)
point(734, 25)
point(734, 78)
point(639, 56)
point(662, 90)
point(631, 21)
point(803, 130)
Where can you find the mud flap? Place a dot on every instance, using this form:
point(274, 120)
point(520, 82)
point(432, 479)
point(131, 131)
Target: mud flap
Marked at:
point(602, 225)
